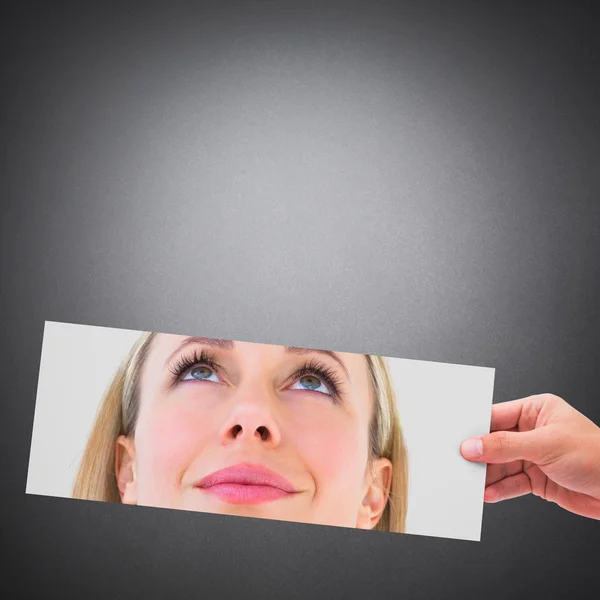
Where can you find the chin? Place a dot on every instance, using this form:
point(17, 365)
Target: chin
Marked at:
point(253, 511)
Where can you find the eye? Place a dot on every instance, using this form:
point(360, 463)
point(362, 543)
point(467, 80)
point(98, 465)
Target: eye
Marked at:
point(200, 373)
point(312, 383)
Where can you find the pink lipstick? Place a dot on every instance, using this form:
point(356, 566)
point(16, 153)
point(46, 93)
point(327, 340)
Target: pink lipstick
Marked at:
point(246, 484)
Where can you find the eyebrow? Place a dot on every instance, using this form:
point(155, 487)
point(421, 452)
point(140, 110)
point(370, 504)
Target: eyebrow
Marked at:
point(295, 350)
point(230, 345)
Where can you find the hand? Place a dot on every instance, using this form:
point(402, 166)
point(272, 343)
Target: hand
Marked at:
point(541, 445)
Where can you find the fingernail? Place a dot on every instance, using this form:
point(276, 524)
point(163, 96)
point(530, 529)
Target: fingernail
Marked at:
point(472, 448)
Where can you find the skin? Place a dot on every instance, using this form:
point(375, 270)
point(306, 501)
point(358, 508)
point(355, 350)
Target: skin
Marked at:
point(252, 410)
point(544, 446)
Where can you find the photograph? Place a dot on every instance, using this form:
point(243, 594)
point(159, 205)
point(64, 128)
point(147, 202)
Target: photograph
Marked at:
point(259, 430)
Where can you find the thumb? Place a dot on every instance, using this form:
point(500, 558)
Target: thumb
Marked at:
point(506, 446)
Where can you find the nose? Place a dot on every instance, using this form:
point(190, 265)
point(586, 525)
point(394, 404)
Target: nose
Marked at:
point(252, 420)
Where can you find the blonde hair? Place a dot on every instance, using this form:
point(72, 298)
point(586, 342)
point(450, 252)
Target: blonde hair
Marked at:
point(117, 415)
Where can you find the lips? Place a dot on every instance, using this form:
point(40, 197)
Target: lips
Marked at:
point(246, 484)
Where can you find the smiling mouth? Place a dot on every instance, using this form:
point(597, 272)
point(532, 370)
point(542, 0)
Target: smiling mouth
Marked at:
point(246, 484)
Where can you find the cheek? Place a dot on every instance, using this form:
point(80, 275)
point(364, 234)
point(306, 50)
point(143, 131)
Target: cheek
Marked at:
point(335, 451)
point(167, 441)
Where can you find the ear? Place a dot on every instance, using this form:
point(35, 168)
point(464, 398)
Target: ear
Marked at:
point(376, 495)
point(125, 469)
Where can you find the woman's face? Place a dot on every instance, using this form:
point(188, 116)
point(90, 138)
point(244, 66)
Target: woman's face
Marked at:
point(254, 430)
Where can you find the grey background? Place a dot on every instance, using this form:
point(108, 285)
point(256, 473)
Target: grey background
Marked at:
point(439, 405)
point(419, 182)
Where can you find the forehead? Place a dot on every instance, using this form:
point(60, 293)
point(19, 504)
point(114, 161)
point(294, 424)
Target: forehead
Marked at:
point(165, 345)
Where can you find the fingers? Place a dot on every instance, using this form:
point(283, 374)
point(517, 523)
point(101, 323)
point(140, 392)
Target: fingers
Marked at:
point(508, 446)
point(506, 414)
point(500, 471)
point(505, 489)
point(509, 415)
point(522, 484)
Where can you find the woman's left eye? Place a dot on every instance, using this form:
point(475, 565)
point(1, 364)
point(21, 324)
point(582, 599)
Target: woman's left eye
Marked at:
point(312, 383)
point(200, 373)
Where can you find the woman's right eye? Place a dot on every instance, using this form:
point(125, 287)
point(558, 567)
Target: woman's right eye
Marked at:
point(200, 373)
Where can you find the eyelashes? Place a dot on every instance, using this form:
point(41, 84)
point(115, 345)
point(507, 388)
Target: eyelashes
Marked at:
point(324, 372)
point(184, 364)
point(313, 367)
